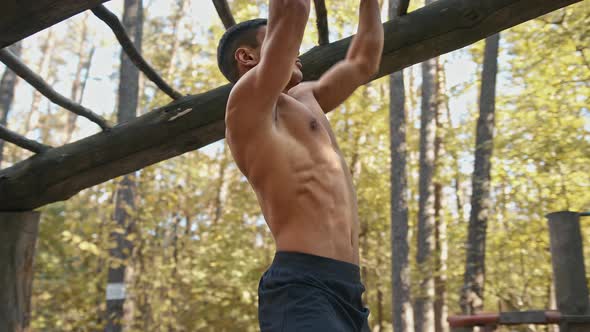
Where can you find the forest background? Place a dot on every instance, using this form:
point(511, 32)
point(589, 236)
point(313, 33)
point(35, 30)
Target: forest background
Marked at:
point(200, 242)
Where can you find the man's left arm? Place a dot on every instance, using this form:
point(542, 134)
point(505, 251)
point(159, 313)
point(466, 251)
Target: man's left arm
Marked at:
point(361, 62)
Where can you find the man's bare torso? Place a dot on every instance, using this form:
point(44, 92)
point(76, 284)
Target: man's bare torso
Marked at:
point(281, 139)
point(302, 181)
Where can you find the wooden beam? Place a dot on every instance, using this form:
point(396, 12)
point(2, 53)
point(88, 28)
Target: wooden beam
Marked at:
point(523, 317)
point(321, 14)
point(195, 121)
point(569, 273)
point(20, 19)
point(224, 13)
point(25, 143)
point(542, 317)
point(18, 238)
point(119, 30)
point(433, 30)
point(24, 72)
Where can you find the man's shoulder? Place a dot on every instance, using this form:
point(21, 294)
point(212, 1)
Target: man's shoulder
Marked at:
point(243, 87)
point(302, 88)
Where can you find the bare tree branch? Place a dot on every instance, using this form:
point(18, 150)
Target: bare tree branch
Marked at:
point(195, 121)
point(113, 22)
point(224, 13)
point(402, 9)
point(12, 62)
point(321, 14)
point(19, 140)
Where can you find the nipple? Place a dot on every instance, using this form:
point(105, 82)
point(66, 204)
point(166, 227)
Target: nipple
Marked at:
point(313, 124)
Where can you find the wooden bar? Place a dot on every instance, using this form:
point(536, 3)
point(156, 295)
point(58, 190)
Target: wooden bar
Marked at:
point(523, 317)
point(541, 317)
point(20, 19)
point(192, 122)
point(18, 237)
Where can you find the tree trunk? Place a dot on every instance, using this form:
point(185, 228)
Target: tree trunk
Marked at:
point(42, 70)
point(79, 82)
point(116, 287)
point(552, 302)
point(224, 162)
point(440, 229)
point(321, 14)
point(142, 300)
point(125, 192)
point(473, 282)
point(87, 64)
point(78, 88)
point(402, 319)
point(7, 87)
point(100, 286)
point(18, 237)
point(424, 302)
point(444, 103)
point(379, 309)
point(440, 266)
point(167, 290)
point(181, 9)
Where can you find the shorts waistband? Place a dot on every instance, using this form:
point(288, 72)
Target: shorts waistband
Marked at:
point(321, 266)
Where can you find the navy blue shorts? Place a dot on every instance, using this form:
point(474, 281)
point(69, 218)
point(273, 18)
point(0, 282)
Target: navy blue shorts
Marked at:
point(302, 292)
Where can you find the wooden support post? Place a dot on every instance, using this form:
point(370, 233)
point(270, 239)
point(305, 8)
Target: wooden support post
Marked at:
point(569, 274)
point(18, 236)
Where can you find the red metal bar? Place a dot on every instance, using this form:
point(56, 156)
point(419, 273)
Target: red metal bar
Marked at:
point(553, 316)
point(473, 320)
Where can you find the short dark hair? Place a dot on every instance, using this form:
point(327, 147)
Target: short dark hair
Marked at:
point(241, 34)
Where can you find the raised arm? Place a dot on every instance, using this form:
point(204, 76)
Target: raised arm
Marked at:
point(284, 33)
point(286, 25)
point(361, 62)
point(252, 100)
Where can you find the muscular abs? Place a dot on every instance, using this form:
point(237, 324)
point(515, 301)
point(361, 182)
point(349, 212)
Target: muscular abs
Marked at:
point(302, 182)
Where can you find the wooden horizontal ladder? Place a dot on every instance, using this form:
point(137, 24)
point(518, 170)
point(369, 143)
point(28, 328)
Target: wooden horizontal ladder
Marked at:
point(61, 172)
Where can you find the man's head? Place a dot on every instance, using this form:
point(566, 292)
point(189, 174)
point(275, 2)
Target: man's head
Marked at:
point(240, 48)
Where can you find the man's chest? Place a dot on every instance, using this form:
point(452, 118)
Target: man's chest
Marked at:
point(304, 120)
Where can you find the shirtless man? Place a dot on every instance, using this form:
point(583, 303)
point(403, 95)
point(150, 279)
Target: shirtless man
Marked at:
point(282, 142)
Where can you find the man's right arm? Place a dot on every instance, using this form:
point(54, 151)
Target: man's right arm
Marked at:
point(286, 25)
point(252, 101)
point(284, 33)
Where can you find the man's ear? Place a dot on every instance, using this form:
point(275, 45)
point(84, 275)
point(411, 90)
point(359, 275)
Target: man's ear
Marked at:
point(246, 57)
